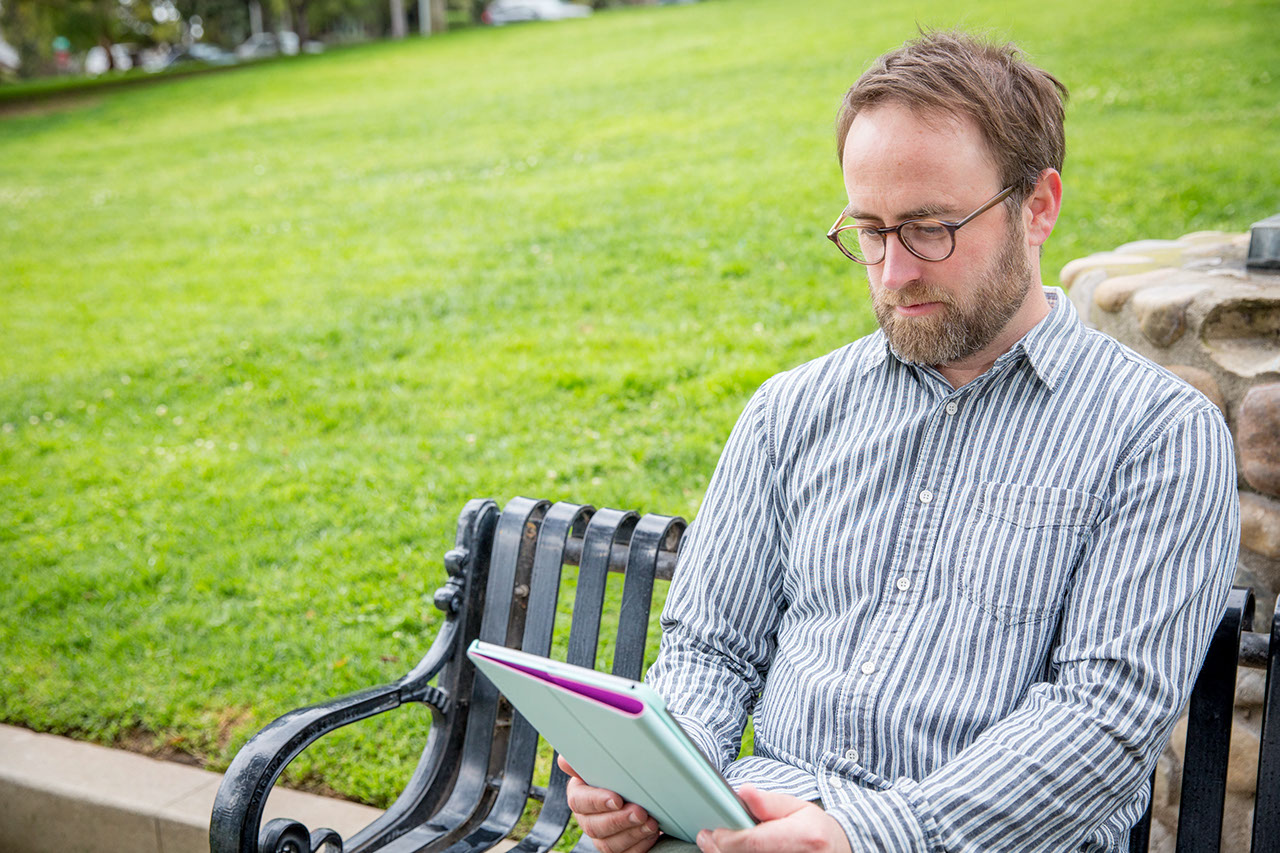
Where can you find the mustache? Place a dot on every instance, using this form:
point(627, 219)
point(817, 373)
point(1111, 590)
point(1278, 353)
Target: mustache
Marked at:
point(913, 294)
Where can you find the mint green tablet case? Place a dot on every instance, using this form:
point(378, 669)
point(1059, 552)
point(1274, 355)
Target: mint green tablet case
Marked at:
point(618, 735)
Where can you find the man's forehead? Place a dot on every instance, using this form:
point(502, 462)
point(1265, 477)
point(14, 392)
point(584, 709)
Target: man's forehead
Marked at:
point(896, 129)
point(900, 162)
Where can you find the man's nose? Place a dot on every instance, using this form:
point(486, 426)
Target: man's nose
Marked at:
point(899, 267)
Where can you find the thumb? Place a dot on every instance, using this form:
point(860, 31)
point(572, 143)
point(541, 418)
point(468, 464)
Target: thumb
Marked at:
point(564, 765)
point(766, 805)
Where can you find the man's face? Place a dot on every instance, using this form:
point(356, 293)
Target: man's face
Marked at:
point(899, 166)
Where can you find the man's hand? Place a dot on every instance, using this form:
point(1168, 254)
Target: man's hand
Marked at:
point(612, 825)
point(786, 824)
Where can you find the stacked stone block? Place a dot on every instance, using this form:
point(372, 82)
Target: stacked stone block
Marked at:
point(1192, 306)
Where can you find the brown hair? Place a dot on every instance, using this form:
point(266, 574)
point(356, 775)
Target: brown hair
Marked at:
point(1017, 107)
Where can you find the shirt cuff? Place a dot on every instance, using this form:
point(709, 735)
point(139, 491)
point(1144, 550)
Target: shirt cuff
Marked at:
point(702, 739)
point(885, 820)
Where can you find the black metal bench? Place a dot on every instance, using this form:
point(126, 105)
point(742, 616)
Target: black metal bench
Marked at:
point(475, 777)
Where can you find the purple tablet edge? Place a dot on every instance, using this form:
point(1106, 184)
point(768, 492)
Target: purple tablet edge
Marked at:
point(617, 701)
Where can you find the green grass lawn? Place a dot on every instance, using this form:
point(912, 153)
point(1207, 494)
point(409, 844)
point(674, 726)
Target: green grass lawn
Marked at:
point(266, 331)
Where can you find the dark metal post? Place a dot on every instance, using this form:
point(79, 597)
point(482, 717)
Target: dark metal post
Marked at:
point(1264, 244)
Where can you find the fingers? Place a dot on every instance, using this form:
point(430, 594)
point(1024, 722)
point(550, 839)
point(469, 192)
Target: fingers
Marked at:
point(766, 805)
point(637, 839)
point(787, 824)
point(602, 814)
point(613, 825)
point(584, 799)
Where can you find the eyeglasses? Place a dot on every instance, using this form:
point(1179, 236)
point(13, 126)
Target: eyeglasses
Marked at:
point(927, 239)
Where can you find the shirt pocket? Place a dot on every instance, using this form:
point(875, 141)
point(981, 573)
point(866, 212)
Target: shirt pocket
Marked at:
point(1021, 546)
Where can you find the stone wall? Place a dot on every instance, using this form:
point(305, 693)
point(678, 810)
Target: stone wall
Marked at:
point(1192, 306)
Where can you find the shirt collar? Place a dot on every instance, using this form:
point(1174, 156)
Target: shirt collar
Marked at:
point(1051, 342)
point(1047, 346)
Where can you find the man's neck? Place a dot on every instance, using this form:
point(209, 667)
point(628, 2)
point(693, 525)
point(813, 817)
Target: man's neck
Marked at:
point(1034, 309)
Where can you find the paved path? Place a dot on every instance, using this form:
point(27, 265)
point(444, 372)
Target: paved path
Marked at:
point(66, 796)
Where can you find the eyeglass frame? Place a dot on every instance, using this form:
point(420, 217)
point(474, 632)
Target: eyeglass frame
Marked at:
point(952, 228)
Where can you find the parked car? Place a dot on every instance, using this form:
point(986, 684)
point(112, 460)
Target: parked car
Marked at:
point(200, 53)
point(261, 45)
point(9, 59)
point(122, 58)
point(501, 12)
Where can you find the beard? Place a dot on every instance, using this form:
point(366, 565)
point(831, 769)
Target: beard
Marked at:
point(968, 321)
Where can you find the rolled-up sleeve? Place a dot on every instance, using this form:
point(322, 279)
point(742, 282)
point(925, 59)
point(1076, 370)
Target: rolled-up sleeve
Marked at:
point(721, 614)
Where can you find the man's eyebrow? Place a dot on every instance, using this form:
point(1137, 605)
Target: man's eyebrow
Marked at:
point(928, 211)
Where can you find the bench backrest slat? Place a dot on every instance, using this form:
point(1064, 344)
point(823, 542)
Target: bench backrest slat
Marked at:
point(548, 534)
point(637, 592)
point(1209, 714)
point(1140, 835)
point(471, 796)
point(607, 526)
point(563, 521)
point(508, 543)
point(546, 541)
point(1266, 809)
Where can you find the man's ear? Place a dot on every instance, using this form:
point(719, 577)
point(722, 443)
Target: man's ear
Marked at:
point(1040, 210)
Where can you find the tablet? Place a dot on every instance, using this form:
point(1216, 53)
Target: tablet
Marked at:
point(617, 734)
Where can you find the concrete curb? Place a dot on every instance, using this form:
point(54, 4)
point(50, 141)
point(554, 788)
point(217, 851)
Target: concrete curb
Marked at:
point(59, 795)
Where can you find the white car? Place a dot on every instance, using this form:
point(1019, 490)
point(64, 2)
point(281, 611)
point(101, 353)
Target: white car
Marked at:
point(510, 11)
point(268, 44)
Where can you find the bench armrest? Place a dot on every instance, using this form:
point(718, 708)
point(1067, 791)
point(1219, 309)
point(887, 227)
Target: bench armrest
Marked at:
point(238, 808)
point(235, 826)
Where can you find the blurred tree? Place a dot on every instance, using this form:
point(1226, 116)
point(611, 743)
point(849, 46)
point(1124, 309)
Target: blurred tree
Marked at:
point(222, 22)
point(298, 10)
point(32, 24)
point(30, 28)
point(399, 24)
point(346, 19)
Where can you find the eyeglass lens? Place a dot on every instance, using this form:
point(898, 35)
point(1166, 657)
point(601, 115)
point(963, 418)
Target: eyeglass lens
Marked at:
point(925, 238)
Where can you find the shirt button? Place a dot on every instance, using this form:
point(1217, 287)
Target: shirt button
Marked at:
point(904, 584)
point(952, 408)
point(836, 783)
point(868, 667)
point(926, 496)
point(851, 754)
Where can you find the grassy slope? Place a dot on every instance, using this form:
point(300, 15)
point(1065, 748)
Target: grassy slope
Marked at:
point(266, 331)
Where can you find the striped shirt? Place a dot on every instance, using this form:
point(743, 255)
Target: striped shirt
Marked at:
point(964, 619)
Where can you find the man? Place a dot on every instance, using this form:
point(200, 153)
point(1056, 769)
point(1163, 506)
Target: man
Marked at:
point(963, 571)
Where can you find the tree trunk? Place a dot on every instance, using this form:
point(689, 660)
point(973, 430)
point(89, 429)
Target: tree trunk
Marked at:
point(438, 21)
point(301, 25)
point(399, 25)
